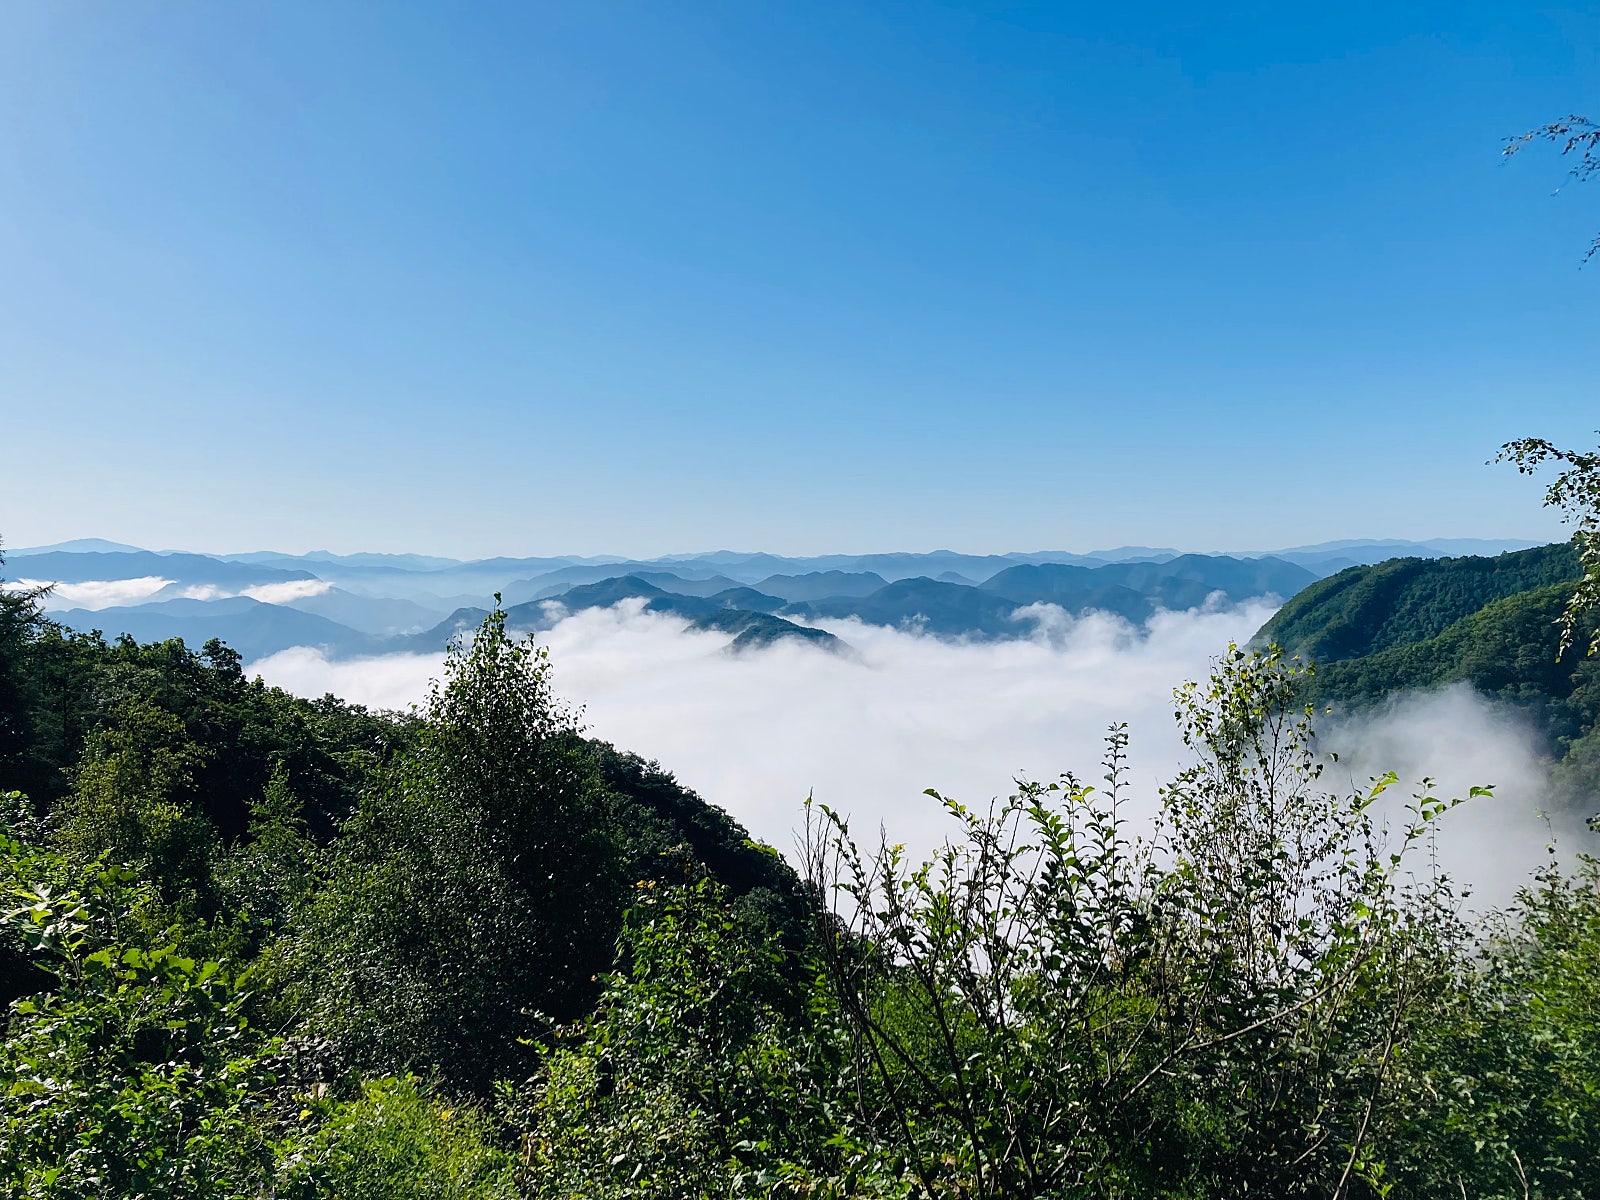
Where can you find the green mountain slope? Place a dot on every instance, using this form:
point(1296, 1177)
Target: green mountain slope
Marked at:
point(1416, 625)
point(70, 688)
point(746, 614)
point(1506, 649)
point(1363, 610)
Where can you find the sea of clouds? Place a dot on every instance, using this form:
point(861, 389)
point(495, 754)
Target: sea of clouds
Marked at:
point(268, 593)
point(97, 593)
point(1459, 739)
point(108, 593)
point(866, 732)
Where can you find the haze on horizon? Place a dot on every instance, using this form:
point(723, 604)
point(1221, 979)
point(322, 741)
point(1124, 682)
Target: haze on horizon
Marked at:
point(583, 278)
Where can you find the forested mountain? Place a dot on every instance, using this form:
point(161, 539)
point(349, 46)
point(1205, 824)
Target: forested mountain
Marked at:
point(259, 945)
point(253, 628)
point(372, 604)
point(194, 569)
point(742, 612)
point(1134, 591)
point(1416, 625)
point(235, 736)
point(172, 760)
point(1365, 609)
point(927, 605)
point(377, 616)
point(822, 585)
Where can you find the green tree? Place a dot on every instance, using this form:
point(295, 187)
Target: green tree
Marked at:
point(138, 1073)
point(1043, 1009)
point(1575, 493)
point(699, 1074)
point(273, 870)
point(1577, 136)
point(1503, 1085)
point(128, 805)
point(476, 893)
point(20, 623)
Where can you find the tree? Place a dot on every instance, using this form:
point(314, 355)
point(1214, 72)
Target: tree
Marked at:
point(699, 1074)
point(20, 622)
point(128, 803)
point(1575, 493)
point(1576, 136)
point(476, 893)
point(1044, 1009)
point(1502, 1095)
point(138, 1073)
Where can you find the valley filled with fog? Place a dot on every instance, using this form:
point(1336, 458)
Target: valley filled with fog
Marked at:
point(860, 680)
point(867, 732)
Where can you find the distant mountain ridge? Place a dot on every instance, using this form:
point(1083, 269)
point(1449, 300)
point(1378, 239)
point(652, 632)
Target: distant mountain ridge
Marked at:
point(251, 627)
point(994, 609)
point(66, 566)
point(375, 603)
point(432, 571)
point(728, 612)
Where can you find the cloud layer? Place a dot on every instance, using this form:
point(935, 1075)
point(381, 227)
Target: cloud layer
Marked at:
point(110, 593)
point(1461, 740)
point(867, 733)
point(98, 593)
point(267, 593)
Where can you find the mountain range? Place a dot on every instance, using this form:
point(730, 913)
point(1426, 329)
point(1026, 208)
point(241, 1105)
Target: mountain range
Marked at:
point(361, 604)
point(1491, 623)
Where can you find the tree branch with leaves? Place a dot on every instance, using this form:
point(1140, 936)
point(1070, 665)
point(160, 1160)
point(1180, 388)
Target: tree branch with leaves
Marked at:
point(1575, 493)
point(1579, 138)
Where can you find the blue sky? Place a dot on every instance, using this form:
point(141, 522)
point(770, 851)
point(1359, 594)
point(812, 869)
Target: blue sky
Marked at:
point(582, 278)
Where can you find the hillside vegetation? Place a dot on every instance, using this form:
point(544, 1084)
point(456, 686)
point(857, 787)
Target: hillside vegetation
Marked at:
point(262, 946)
point(1492, 623)
point(1363, 610)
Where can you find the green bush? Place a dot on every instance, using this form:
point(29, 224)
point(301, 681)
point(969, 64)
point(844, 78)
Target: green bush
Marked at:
point(137, 1074)
point(697, 1075)
point(396, 1142)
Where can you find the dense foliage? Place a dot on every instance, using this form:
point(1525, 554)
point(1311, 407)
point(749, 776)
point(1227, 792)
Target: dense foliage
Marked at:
point(1366, 610)
point(1575, 492)
point(259, 946)
point(1513, 628)
point(1579, 141)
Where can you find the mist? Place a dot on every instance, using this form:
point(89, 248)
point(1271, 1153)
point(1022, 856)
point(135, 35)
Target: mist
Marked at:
point(867, 732)
point(268, 593)
point(97, 593)
point(1460, 740)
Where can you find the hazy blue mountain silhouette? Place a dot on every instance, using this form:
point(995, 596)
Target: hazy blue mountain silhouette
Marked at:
point(822, 585)
point(72, 566)
point(254, 629)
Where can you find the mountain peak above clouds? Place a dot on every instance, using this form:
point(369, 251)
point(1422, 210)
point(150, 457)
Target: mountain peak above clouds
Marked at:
point(375, 603)
point(77, 546)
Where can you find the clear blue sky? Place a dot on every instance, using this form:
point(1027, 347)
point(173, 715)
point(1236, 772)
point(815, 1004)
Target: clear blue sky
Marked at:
point(528, 278)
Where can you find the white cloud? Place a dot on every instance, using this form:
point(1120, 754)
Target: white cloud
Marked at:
point(267, 593)
point(1461, 740)
point(867, 732)
point(283, 593)
point(394, 681)
point(99, 593)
